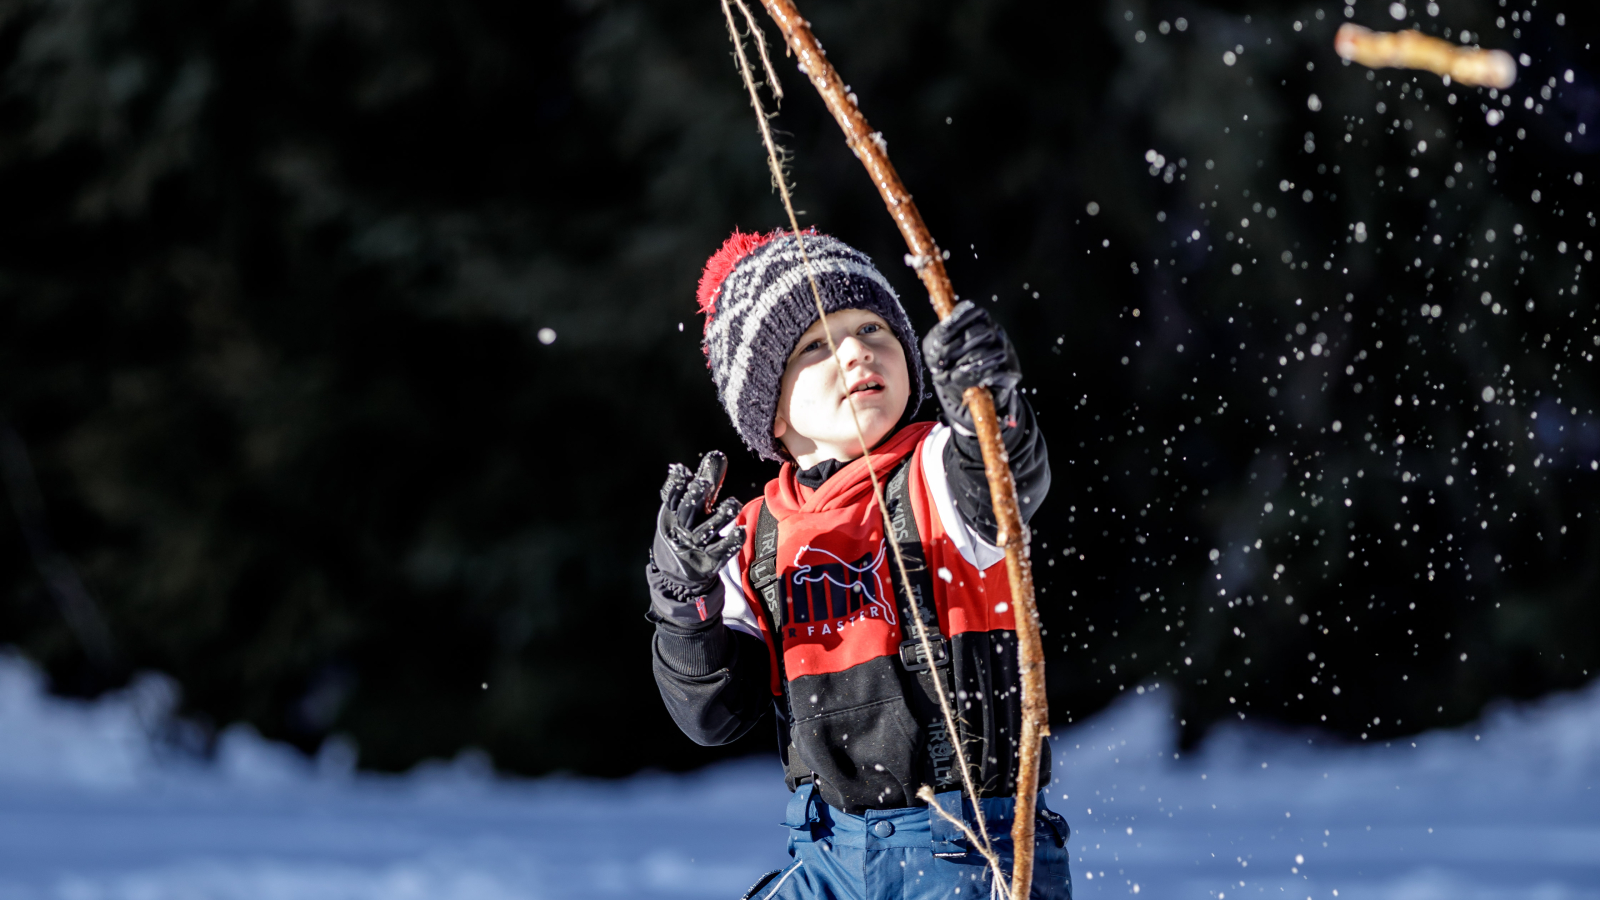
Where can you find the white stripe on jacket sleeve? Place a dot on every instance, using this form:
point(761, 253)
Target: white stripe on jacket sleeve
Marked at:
point(736, 611)
point(974, 549)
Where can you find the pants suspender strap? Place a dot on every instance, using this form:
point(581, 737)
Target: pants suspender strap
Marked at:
point(764, 572)
point(928, 676)
point(764, 581)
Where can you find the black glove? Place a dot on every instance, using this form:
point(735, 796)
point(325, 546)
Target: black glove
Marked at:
point(686, 560)
point(966, 350)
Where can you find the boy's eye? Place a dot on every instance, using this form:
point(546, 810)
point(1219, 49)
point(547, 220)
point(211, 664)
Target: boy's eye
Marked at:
point(870, 328)
point(814, 345)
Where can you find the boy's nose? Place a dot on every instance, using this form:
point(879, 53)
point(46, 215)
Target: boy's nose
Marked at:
point(853, 351)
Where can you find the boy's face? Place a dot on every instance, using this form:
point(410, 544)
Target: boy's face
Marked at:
point(813, 421)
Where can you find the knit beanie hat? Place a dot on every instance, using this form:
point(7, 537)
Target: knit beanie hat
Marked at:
point(757, 301)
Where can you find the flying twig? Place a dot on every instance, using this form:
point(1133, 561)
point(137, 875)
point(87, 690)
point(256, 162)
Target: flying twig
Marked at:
point(1472, 66)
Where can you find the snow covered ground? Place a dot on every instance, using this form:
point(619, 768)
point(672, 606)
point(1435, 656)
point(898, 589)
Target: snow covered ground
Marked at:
point(92, 809)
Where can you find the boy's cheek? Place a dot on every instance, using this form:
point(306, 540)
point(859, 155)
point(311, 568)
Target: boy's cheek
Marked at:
point(808, 394)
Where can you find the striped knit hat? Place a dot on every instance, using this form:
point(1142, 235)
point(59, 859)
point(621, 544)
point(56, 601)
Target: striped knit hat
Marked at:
point(758, 302)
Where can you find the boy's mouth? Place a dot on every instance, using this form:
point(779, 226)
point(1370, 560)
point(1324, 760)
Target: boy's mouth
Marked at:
point(867, 384)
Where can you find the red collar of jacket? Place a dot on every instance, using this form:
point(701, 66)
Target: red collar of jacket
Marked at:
point(852, 484)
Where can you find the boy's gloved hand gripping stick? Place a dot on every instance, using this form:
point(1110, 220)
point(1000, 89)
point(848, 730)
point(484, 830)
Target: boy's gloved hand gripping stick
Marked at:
point(926, 257)
point(967, 350)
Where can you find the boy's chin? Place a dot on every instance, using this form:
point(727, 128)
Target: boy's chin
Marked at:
point(876, 407)
point(867, 412)
point(875, 426)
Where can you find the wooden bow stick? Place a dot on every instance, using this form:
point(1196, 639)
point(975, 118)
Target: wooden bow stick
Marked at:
point(928, 260)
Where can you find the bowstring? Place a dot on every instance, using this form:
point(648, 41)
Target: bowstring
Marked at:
point(774, 162)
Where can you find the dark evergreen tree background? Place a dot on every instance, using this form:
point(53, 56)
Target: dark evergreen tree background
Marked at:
point(279, 419)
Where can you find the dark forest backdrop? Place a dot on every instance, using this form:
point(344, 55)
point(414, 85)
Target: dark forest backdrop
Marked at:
point(280, 420)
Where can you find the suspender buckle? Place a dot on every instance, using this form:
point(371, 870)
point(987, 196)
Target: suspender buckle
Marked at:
point(763, 571)
point(912, 658)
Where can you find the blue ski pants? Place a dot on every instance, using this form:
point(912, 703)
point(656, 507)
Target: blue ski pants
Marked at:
point(908, 854)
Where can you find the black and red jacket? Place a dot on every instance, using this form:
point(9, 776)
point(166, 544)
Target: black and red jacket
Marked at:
point(847, 717)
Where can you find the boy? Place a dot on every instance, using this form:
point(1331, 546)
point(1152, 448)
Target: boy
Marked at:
point(794, 601)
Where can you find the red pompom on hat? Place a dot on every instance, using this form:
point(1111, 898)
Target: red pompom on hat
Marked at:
point(721, 264)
